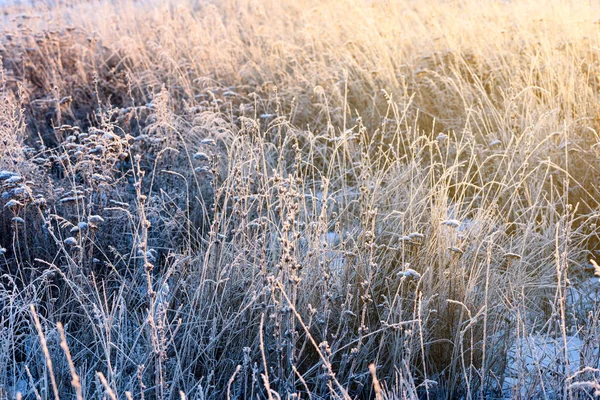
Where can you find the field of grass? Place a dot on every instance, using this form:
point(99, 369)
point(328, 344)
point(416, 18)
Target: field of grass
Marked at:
point(300, 199)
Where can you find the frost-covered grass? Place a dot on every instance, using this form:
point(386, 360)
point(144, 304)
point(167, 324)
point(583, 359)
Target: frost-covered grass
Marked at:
point(300, 199)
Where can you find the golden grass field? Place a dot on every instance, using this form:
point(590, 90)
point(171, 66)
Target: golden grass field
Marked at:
point(300, 199)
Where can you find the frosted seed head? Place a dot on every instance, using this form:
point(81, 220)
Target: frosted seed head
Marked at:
point(70, 241)
point(201, 157)
point(452, 223)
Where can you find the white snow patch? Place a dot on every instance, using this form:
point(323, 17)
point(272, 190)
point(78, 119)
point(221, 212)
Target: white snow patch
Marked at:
point(538, 364)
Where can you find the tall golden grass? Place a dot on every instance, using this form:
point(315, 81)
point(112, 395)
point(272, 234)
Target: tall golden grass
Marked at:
point(300, 199)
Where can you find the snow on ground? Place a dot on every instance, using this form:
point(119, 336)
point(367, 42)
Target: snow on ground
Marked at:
point(538, 364)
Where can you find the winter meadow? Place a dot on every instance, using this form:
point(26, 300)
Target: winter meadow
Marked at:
point(299, 199)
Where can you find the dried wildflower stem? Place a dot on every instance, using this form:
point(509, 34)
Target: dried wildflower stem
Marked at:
point(265, 375)
point(142, 248)
point(231, 380)
point(75, 381)
point(32, 382)
point(376, 384)
point(42, 337)
point(561, 276)
point(485, 315)
point(312, 340)
point(303, 381)
point(104, 382)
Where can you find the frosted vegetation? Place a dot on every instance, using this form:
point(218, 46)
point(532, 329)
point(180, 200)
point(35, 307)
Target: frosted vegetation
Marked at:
point(279, 199)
